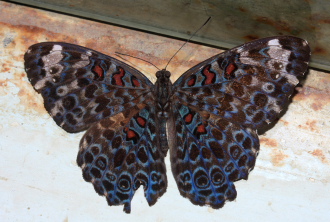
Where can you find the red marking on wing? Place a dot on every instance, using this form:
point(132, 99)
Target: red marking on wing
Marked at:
point(99, 71)
point(117, 77)
point(210, 76)
point(201, 129)
point(188, 118)
point(131, 134)
point(141, 121)
point(136, 82)
point(191, 82)
point(230, 70)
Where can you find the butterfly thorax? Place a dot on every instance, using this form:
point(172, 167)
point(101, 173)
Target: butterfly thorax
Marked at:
point(162, 93)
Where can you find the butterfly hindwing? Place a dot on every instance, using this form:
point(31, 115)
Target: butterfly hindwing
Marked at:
point(220, 104)
point(209, 154)
point(119, 154)
point(81, 86)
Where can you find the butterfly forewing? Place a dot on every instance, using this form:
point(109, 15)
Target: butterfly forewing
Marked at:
point(81, 86)
point(219, 104)
point(249, 84)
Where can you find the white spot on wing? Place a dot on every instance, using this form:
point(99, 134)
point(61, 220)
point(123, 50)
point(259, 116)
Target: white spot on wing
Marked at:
point(248, 60)
point(274, 42)
point(292, 79)
point(56, 109)
point(113, 68)
point(40, 84)
point(57, 48)
point(272, 105)
point(305, 43)
point(254, 81)
point(239, 50)
point(52, 58)
point(215, 66)
point(80, 64)
point(84, 56)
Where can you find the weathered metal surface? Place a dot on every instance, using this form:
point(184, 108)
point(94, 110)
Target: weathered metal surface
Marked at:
point(39, 179)
point(233, 22)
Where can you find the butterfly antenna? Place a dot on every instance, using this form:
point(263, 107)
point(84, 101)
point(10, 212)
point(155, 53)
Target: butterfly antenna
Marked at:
point(187, 41)
point(118, 54)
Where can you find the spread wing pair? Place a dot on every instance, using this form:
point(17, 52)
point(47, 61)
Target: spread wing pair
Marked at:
point(216, 109)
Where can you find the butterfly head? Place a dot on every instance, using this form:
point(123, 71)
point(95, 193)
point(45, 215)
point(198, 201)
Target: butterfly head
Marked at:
point(163, 89)
point(163, 74)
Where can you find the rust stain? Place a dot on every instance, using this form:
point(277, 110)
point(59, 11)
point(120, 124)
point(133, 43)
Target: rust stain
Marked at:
point(285, 123)
point(310, 125)
point(278, 157)
point(317, 105)
point(32, 34)
point(5, 68)
point(242, 9)
point(251, 37)
point(320, 18)
point(269, 142)
point(326, 81)
point(30, 99)
point(3, 83)
point(325, 21)
point(319, 50)
point(316, 97)
point(279, 25)
point(319, 154)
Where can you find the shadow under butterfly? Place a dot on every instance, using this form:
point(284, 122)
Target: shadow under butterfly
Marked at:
point(208, 118)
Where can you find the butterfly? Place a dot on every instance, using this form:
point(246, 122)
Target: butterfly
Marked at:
point(208, 117)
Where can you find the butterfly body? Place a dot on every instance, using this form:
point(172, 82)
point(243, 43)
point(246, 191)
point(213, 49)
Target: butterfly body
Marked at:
point(162, 94)
point(208, 118)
